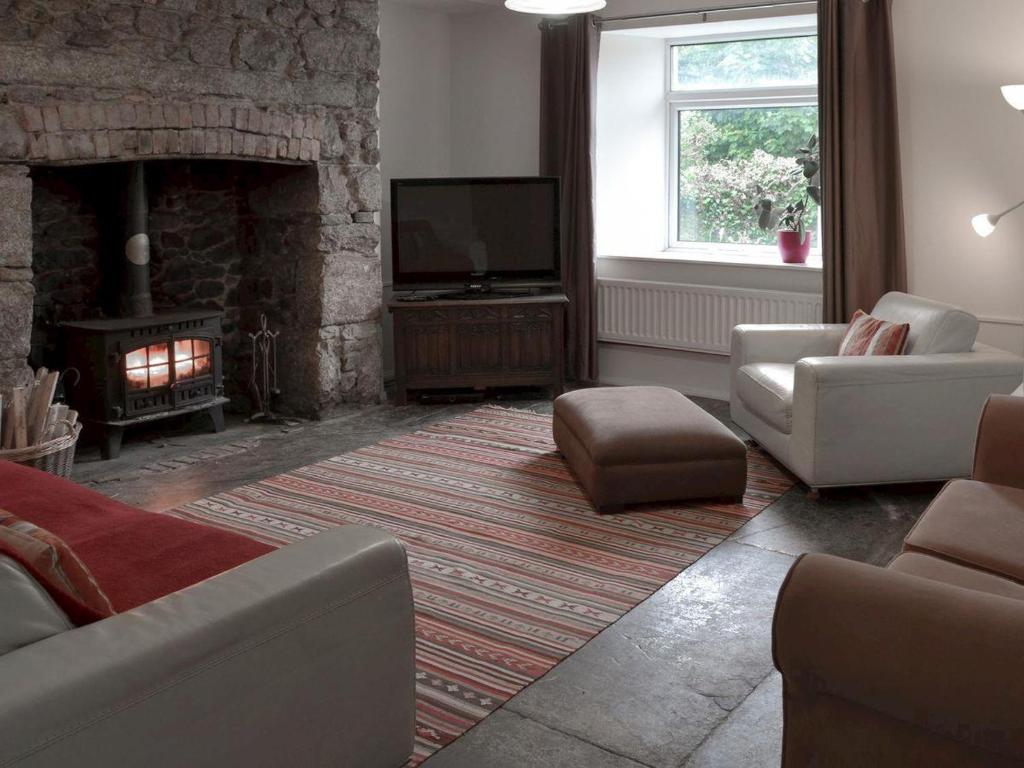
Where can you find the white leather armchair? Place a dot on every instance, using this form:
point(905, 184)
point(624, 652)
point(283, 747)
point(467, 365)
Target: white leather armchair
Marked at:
point(837, 421)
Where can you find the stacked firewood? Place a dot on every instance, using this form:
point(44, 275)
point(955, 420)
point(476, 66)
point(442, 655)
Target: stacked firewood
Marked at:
point(28, 415)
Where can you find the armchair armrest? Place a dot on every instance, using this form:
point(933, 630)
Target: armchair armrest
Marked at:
point(920, 652)
point(301, 657)
point(784, 343)
point(999, 454)
point(894, 419)
point(983, 362)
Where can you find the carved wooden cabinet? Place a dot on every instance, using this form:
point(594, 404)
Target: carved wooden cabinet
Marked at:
point(501, 342)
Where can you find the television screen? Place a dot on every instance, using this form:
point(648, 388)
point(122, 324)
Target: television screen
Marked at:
point(454, 232)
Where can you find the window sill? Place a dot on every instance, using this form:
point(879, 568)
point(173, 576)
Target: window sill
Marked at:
point(757, 257)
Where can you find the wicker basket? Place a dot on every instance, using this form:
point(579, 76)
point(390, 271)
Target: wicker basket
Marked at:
point(55, 456)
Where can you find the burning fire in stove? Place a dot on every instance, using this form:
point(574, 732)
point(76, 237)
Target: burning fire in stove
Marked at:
point(150, 367)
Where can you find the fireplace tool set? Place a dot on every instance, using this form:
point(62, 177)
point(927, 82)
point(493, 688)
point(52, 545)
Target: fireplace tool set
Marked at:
point(263, 382)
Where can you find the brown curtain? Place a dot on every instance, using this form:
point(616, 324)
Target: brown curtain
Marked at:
point(567, 102)
point(863, 249)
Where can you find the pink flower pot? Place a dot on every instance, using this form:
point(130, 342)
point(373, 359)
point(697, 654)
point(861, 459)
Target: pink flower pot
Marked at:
point(792, 250)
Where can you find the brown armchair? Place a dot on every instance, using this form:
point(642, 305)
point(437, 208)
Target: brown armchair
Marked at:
point(922, 662)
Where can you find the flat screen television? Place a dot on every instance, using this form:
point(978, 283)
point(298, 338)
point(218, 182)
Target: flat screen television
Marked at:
point(486, 232)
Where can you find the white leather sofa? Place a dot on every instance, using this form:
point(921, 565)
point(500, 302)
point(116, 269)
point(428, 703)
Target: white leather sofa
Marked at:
point(301, 657)
point(838, 421)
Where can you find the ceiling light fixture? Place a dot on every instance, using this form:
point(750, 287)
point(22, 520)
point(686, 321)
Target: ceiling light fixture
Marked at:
point(555, 7)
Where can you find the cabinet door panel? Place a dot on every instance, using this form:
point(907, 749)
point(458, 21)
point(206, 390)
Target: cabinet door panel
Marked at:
point(530, 346)
point(478, 348)
point(427, 350)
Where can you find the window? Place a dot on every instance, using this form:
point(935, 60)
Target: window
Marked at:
point(740, 109)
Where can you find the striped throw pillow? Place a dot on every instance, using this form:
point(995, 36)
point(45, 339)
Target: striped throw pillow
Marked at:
point(868, 335)
point(55, 567)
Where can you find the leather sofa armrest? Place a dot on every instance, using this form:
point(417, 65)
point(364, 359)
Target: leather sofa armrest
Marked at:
point(784, 343)
point(926, 654)
point(892, 419)
point(999, 453)
point(304, 656)
point(983, 362)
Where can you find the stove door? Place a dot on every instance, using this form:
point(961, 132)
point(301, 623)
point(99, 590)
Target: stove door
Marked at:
point(194, 370)
point(147, 378)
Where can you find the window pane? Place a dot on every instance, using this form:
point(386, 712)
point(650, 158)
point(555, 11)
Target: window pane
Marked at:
point(159, 376)
point(724, 154)
point(136, 359)
point(158, 354)
point(745, 63)
point(137, 378)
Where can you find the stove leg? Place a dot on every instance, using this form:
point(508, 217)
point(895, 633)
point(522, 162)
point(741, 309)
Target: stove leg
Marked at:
point(217, 416)
point(110, 445)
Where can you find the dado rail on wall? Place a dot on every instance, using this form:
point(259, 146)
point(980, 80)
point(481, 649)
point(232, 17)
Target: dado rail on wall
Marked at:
point(696, 318)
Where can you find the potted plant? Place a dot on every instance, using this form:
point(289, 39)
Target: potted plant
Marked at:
point(794, 239)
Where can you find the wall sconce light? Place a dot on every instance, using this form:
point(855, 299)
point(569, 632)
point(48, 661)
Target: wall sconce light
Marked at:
point(985, 223)
point(1014, 95)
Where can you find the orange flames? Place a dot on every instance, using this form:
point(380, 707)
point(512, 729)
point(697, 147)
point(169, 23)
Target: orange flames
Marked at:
point(149, 367)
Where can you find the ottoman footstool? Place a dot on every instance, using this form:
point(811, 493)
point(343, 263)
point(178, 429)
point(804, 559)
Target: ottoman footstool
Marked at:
point(635, 445)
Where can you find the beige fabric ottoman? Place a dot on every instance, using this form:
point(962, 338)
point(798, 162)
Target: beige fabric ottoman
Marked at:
point(631, 445)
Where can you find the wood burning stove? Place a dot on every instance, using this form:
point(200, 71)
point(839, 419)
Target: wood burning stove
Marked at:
point(144, 367)
point(139, 370)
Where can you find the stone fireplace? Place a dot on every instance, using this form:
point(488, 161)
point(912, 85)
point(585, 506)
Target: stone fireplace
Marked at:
point(257, 123)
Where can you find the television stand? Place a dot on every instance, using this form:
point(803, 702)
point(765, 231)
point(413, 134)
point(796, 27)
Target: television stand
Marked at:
point(472, 295)
point(496, 340)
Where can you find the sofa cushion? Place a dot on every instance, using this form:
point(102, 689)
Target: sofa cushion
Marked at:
point(767, 391)
point(135, 556)
point(978, 525)
point(935, 328)
point(868, 336)
point(54, 565)
point(937, 569)
point(29, 613)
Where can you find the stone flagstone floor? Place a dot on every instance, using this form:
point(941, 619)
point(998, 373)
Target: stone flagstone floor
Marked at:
point(685, 680)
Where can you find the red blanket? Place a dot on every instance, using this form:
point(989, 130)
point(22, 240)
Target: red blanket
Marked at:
point(135, 556)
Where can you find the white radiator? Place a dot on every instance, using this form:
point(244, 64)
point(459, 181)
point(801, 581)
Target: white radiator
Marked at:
point(697, 318)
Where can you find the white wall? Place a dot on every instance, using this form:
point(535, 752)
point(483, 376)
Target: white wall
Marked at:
point(495, 82)
point(415, 110)
point(963, 154)
point(631, 146)
point(415, 99)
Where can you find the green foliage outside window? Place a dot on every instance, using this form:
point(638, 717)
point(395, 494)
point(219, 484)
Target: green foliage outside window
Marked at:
point(746, 63)
point(725, 155)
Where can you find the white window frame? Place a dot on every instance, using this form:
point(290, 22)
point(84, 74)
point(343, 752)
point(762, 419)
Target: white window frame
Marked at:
point(724, 98)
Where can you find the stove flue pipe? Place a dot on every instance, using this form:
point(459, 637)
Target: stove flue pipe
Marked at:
point(138, 300)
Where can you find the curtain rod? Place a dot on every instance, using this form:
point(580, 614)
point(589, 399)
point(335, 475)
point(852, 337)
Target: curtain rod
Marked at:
point(600, 20)
point(704, 13)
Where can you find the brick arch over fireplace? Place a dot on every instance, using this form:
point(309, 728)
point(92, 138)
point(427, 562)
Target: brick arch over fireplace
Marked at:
point(90, 131)
point(262, 81)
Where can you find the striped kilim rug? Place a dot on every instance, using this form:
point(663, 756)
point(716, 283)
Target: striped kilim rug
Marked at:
point(512, 570)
